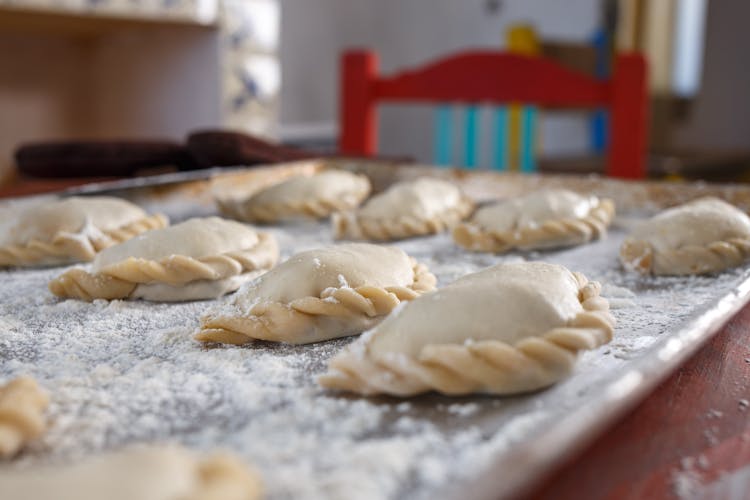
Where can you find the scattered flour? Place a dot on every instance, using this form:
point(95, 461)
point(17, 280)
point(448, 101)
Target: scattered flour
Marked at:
point(124, 372)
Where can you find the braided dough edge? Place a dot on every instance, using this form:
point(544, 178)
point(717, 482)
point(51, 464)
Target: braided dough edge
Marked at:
point(119, 280)
point(350, 225)
point(222, 476)
point(22, 405)
point(552, 233)
point(640, 256)
point(310, 319)
point(488, 366)
point(253, 211)
point(67, 247)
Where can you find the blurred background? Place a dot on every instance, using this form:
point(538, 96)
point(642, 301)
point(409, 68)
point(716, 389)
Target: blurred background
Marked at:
point(161, 69)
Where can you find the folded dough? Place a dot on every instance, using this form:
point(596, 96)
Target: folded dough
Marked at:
point(411, 208)
point(546, 218)
point(22, 405)
point(313, 196)
point(140, 472)
point(704, 236)
point(71, 230)
point(319, 295)
point(197, 259)
point(508, 329)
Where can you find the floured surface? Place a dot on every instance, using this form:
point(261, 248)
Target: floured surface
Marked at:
point(124, 372)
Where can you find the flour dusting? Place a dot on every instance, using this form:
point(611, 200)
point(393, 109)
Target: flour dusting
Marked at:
point(125, 372)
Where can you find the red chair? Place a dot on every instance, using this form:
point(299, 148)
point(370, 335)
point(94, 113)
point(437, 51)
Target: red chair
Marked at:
point(499, 78)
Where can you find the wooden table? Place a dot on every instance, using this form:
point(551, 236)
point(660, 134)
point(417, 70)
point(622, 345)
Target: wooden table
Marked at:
point(689, 439)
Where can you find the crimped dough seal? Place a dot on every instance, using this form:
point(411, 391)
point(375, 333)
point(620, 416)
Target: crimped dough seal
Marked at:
point(22, 405)
point(508, 329)
point(547, 218)
point(197, 259)
point(72, 230)
point(143, 472)
point(319, 295)
point(704, 236)
point(313, 196)
point(410, 208)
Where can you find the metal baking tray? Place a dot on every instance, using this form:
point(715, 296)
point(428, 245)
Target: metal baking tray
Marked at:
point(261, 401)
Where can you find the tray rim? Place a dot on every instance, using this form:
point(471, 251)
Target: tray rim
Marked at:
point(614, 400)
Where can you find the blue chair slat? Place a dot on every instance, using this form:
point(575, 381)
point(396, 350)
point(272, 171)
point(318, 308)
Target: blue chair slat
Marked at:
point(443, 137)
point(528, 128)
point(471, 137)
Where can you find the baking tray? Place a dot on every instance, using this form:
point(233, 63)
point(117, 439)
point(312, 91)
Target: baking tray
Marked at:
point(125, 372)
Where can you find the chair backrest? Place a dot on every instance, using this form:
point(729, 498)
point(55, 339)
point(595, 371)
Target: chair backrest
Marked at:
point(499, 78)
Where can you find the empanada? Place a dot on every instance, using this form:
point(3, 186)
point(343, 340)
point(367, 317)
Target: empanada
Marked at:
point(139, 472)
point(704, 236)
point(312, 196)
point(71, 230)
point(319, 295)
point(508, 329)
point(197, 259)
point(22, 405)
point(410, 208)
point(548, 218)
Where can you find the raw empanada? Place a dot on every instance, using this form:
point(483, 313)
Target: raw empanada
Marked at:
point(704, 236)
point(22, 405)
point(508, 329)
point(197, 259)
point(139, 472)
point(547, 218)
point(314, 196)
point(319, 295)
point(72, 230)
point(412, 208)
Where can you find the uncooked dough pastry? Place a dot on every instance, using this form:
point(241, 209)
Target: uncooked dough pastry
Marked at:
point(704, 236)
point(547, 218)
point(508, 329)
point(139, 472)
point(22, 405)
point(72, 230)
point(411, 208)
point(312, 196)
point(319, 295)
point(197, 259)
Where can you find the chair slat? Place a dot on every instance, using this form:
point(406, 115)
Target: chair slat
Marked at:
point(443, 136)
point(500, 129)
point(471, 137)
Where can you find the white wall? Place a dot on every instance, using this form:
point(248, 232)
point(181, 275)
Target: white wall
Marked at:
point(405, 33)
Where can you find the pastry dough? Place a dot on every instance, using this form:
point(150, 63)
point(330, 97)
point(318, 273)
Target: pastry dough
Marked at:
point(704, 236)
point(319, 295)
point(543, 219)
point(197, 259)
point(22, 405)
point(72, 230)
point(508, 329)
point(315, 196)
point(140, 472)
point(413, 208)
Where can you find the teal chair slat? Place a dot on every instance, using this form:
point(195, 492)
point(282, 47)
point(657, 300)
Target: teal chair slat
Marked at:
point(528, 126)
point(443, 137)
point(471, 137)
point(500, 128)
